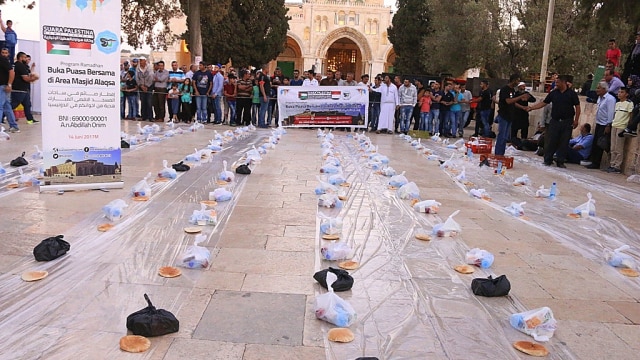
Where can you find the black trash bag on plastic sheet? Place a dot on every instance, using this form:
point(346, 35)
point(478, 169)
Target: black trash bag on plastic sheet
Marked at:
point(150, 321)
point(124, 144)
point(344, 282)
point(181, 167)
point(491, 287)
point(243, 169)
point(19, 161)
point(51, 248)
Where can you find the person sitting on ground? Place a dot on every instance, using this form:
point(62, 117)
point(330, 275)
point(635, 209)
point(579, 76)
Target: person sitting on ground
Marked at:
point(580, 146)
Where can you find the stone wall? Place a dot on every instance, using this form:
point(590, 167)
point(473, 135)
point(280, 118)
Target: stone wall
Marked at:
point(588, 114)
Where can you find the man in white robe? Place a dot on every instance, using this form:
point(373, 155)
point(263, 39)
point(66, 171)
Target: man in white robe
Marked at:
point(388, 105)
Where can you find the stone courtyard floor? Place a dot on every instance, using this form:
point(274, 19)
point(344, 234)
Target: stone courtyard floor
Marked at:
point(256, 299)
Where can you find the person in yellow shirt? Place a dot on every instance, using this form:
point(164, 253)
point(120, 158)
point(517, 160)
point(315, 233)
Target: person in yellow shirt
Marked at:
point(620, 120)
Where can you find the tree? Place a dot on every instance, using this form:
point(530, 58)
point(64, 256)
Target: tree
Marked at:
point(253, 32)
point(409, 27)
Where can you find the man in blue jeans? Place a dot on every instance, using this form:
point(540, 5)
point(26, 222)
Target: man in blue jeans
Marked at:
point(6, 79)
point(507, 103)
point(264, 88)
point(484, 107)
point(22, 87)
point(408, 95)
point(202, 81)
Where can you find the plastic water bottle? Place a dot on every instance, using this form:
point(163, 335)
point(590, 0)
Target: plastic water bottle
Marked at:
point(499, 167)
point(469, 153)
point(553, 191)
point(487, 261)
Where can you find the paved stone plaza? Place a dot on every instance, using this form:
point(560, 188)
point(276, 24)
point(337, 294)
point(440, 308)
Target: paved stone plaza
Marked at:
point(256, 299)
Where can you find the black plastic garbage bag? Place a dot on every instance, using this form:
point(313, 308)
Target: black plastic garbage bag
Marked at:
point(150, 321)
point(180, 167)
point(344, 282)
point(51, 248)
point(243, 169)
point(491, 287)
point(124, 144)
point(19, 161)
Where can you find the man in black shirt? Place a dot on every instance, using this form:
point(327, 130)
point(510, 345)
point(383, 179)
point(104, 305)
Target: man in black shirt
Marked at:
point(506, 110)
point(264, 86)
point(565, 116)
point(484, 108)
point(22, 87)
point(6, 80)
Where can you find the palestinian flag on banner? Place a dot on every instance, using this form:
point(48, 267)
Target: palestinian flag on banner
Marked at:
point(58, 47)
point(80, 48)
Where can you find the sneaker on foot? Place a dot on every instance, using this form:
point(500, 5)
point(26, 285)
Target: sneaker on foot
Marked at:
point(29, 121)
point(14, 130)
point(613, 170)
point(629, 133)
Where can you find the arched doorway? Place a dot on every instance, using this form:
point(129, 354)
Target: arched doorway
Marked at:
point(344, 55)
point(389, 60)
point(290, 58)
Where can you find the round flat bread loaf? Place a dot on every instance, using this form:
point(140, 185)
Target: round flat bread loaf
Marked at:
point(342, 197)
point(169, 271)
point(134, 343)
point(34, 275)
point(629, 272)
point(209, 203)
point(464, 269)
point(345, 184)
point(140, 198)
point(192, 229)
point(12, 186)
point(414, 201)
point(331, 237)
point(423, 237)
point(105, 227)
point(222, 183)
point(162, 179)
point(530, 348)
point(349, 265)
point(343, 335)
point(574, 216)
point(393, 187)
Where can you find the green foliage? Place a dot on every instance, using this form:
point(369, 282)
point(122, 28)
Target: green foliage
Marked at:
point(146, 22)
point(410, 25)
point(607, 14)
point(252, 32)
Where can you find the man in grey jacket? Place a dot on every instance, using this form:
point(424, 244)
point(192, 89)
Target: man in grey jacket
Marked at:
point(408, 98)
point(161, 77)
point(144, 78)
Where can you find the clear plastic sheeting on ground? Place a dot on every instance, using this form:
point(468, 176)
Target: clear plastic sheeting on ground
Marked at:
point(410, 302)
point(97, 284)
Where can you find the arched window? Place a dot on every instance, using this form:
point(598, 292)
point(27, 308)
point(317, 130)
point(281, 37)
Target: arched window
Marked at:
point(352, 18)
point(307, 33)
point(341, 18)
point(367, 27)
point(385, 39)
point(374, 27)
point(317, 23)
point(325, 24)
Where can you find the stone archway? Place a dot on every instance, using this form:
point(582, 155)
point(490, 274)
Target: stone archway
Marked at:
point(345, 40)
point(389, 60)
point(291, 57)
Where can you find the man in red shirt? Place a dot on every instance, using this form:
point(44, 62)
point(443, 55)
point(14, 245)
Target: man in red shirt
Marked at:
point(613, 53)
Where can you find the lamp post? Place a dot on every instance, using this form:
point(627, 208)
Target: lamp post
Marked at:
point(547, 42)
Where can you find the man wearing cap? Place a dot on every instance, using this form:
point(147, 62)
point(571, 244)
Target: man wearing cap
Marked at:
point(145, 80)
point(520, 114)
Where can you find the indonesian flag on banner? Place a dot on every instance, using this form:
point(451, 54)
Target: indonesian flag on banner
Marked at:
point(58, 47)
point(336, 94)
point(80, 48)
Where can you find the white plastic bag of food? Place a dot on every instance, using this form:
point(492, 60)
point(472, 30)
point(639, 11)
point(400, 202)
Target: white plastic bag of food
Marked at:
point(329, 201)
point(463, 175)
point(542, 192)
point(586, 209)
point(617, 258)
point(195, 256)
point(522, 180)
point(427, 206)
point(538, 323)
point(329, 169)
point(332, 160)
point(38, 154)
point(215, 145)
point(449, 228)
point(114, 210)
point(3, 170)
point(479, 257)
point(330, 226)
point(480, 194)
point(398, 180)
point(226, 175)
point(388, 171)
point(3, 134)
point(203, 216)
point(27, 179)
point(409, 191)
point(142, 188)
point(221, 195)
point(167, 172)
point(325, 187)
point(515, 209)
point(195, 157)
point(336, 251)
point(436, 137)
